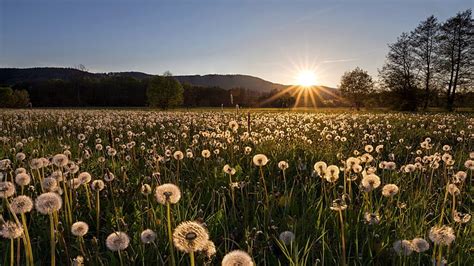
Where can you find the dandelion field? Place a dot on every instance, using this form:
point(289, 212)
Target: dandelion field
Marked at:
point(131, 187)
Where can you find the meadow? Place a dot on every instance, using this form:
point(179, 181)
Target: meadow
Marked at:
point(212, 187)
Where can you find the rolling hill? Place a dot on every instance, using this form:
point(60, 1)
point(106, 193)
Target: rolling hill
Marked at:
point(11, 76)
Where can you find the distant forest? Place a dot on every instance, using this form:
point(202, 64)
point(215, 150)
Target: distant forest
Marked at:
point(69, 87)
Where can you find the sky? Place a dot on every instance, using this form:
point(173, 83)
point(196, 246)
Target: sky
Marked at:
point(270, 39)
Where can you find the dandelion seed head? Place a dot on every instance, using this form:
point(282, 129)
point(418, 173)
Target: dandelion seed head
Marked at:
point(79, 228)
point(11, 230)
point(190, 237)
point(260, 160)
point(286, 237)
point(237, 257)
point(22, 179)
point(420, 245)
point(21, 204)
point(167, 193)
point(117, 241)
point(7, 189)
point(48, 202)
point(442, 235)
point(147, 236)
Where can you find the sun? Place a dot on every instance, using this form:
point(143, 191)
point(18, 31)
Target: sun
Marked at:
point(306, 78)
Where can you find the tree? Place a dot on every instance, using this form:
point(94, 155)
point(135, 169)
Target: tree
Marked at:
point(164, 92)
point(424, 43)
point(355, 86)
point(398, 74)
point(13, 98)
point(456, 51)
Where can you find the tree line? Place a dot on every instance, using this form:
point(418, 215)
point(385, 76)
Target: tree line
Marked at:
point(429, 66)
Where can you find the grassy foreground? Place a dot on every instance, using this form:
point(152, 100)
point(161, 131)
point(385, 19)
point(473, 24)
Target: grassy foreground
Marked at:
point(294, 188)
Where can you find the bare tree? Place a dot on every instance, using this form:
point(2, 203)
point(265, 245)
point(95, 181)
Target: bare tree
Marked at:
point(398, 75)
point(456, 52)
point(424, 43)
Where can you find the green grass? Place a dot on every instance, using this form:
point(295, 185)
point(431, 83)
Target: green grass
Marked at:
point(248, 218)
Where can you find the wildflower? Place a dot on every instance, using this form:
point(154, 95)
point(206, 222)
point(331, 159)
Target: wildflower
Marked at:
point(453, 189)
point(287, 237)
point(420, 245)
point(247, 150)
point(229, 170)
point(21, 204)
point(233, 125)
point(442, 235)
point(461, 217)
point(7, 189)
point(109, 176)
point(338, 205)
point(22, 179)
point(20, 156)
point(190, 237)
point(48, 203)
point(369, 148)
point(371, 218)
point(98, 185)
point(351, 162)
point(209, 249)
point(332, 173)
point(260, 160)
point(389, 190)
point(145, 189)
point(206, 154)
point(11, 230)
point(370, 182)
point(20, 170)
point(178, 155)
point(117, 241)
point(49, 184)
point(84, 177)
point(60, 160)
point(237, 257)
point(403, 247)
point(167, 193)
point(78, 261)
point(283, 165)
point(320, 168)
point(147, 236)
point(79, 229)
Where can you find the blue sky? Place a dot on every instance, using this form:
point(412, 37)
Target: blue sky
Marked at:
point(271, 39)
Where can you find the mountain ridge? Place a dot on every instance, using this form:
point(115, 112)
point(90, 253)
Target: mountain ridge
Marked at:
point(11, 76)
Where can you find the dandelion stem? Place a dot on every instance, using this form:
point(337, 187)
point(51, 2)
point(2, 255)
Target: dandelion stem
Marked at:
point(29, 250)
point(342, 238)
point(170, 235)
point(97, 209)
point(12, 251)
point(53, 240)
point(191, 258)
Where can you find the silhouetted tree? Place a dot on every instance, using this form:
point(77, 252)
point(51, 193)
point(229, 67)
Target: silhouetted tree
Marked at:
point(398, 74)
point(164, 92)
point(424, 47)
point(356, 86)
point(13, 98)
point(456, 49)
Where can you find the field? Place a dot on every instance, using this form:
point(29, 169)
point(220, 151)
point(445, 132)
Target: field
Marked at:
point(294, 188)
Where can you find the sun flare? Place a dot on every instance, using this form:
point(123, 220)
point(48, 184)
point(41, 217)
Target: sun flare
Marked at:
point(306, 78)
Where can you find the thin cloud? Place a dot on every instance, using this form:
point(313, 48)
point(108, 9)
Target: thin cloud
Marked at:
point(339, 60)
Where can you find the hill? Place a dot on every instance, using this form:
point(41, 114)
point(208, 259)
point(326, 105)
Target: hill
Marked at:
point(11, 76)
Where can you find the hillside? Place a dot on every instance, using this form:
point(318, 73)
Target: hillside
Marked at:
point(11, 76)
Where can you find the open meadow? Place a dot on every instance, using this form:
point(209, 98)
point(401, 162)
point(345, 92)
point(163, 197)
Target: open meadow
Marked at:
point(143, 187)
